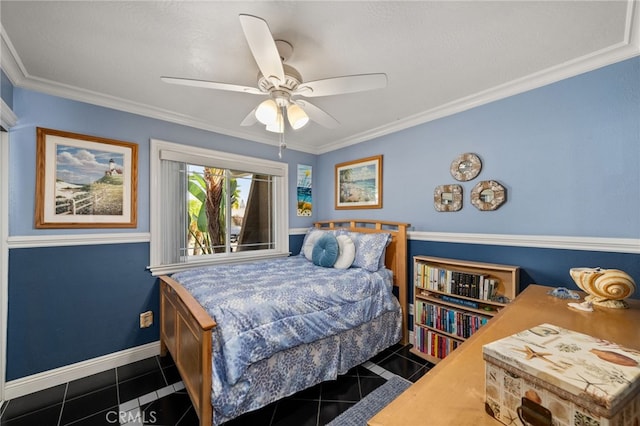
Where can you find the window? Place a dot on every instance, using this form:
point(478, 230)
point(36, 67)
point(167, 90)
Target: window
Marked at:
point(212, 207)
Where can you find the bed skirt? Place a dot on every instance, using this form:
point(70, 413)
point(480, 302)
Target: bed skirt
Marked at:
point(301, 367)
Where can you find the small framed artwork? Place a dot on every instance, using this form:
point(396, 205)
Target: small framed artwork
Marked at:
point(305, 203)
point(488, 195)
point(85, 181)
point(447, 198)
point(466, 167)
point(359, 184)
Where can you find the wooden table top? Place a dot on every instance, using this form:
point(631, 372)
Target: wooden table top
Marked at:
point(452, 393)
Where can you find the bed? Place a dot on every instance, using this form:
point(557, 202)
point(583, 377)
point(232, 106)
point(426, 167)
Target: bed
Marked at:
point(233, 364)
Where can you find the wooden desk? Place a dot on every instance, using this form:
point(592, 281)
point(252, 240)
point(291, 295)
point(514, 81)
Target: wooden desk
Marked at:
point(452, 393)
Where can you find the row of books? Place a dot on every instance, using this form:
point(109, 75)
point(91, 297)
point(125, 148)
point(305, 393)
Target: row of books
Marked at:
point(478, 286)
point(434, 344)
point(449, 320)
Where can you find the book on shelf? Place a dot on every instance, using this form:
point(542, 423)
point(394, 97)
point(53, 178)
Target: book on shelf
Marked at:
point(434, 344)
point(449, 320)
point(467, 284)
point(461, 302)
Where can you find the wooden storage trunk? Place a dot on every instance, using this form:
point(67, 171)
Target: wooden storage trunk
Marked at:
point(548, 375)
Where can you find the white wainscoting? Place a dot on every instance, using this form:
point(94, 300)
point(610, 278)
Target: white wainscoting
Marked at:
point(617, 245)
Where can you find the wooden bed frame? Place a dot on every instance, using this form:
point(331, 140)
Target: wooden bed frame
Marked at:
point(185, 327)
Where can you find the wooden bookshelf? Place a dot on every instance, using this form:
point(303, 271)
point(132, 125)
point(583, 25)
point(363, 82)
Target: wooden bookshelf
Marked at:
point(453, 299)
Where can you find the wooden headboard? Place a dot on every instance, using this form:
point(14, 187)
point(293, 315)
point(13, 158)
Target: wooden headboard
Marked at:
point(395, 259)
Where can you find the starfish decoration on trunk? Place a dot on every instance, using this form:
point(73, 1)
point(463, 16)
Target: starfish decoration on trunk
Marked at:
point(530, 353)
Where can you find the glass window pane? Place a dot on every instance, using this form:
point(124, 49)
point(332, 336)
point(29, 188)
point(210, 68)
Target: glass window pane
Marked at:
point(257, 229)
point(243, 223)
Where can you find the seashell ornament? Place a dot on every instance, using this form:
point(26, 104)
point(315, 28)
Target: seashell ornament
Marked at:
point(606, 287)
point(615, 358)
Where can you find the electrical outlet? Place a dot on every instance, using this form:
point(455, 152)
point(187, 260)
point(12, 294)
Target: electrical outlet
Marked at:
point(411, 309)
point(146, 319)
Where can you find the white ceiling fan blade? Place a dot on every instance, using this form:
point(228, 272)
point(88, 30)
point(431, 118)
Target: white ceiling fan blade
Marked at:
point(212, 85)
point(263, 48)
point(250, 119)
point(317, 115)
point(340, 85)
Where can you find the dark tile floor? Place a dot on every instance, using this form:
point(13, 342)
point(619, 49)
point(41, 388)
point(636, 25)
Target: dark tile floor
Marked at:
point(149, 392)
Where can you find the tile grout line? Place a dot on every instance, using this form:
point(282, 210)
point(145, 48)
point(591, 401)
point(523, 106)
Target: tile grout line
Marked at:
point(166, 382)
point(86, 417)
point(359, 384)
point(64, 399)
point(184, 414)
point(150, 397)
point(318, 409)
point(117, 386)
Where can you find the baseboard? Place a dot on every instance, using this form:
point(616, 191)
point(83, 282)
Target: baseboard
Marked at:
point(47, 379)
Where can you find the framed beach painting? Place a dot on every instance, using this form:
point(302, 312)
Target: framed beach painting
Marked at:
point(85, 181)
point(305, 202)
point(359, 184)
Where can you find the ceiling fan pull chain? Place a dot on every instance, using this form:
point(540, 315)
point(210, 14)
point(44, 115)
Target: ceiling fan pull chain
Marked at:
point(283, 145)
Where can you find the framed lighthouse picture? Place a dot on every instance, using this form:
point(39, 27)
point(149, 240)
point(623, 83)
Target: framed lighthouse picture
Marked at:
point(85, 181)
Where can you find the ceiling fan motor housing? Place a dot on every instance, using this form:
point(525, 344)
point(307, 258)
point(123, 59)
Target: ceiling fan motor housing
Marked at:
point(282, 93)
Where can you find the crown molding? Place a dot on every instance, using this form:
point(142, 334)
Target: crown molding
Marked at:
point(10, 61)
point(629, 47)
point(7, 118)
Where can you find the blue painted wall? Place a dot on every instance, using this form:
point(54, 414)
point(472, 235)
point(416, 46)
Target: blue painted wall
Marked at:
point(70, 304)
point(39, 110)
point(542, 266)
point(567, 154)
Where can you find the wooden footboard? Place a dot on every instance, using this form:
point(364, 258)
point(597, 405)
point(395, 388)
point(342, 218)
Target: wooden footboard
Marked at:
point(185, 331)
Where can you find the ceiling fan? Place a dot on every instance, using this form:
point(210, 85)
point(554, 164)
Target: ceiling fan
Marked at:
point(283, 83)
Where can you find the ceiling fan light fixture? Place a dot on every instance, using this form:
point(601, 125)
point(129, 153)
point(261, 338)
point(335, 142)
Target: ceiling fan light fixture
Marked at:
point(278, 125)
point(297, 117)
point(267, 112)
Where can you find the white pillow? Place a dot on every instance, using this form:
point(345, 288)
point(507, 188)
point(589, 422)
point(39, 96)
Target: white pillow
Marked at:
point(312, 236)
point(347, 252)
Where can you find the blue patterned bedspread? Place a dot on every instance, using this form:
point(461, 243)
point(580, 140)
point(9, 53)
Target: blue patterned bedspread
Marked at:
point(265, 307)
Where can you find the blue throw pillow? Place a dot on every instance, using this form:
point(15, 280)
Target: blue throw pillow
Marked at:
point(325, 251)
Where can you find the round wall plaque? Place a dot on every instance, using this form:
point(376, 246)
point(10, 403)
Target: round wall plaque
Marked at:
point(488, 195)
point(466, 167)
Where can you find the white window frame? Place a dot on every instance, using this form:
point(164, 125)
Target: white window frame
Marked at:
point(189, 154)
point(4, 257)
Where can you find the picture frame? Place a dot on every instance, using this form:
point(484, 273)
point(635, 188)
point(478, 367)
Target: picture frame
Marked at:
point(488, 195)
point(447, 198)
point(466, 167)
point(358, 184)
point(85, 181)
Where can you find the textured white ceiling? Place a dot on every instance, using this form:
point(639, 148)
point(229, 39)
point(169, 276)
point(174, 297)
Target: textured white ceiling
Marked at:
point(440, 56)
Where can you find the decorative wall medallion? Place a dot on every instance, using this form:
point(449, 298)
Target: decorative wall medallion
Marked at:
point(488, 195)
point(466, 167)
point(447, 198)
